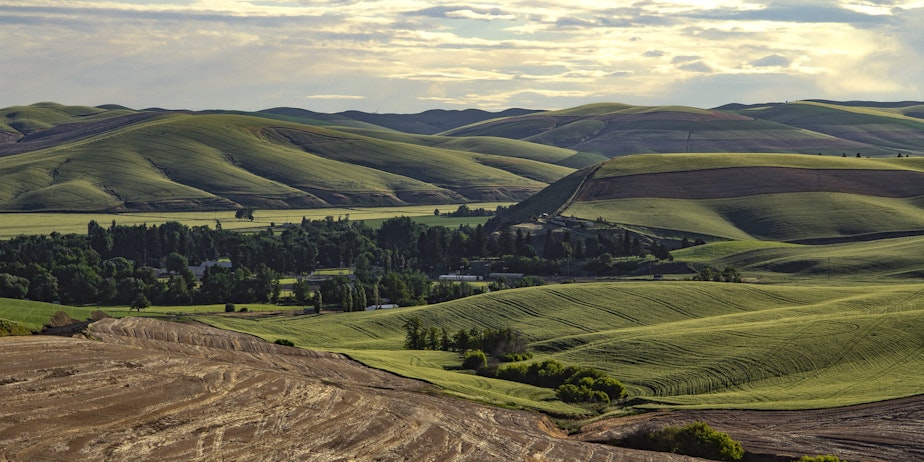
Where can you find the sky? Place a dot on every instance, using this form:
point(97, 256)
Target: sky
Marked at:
point(407, 56)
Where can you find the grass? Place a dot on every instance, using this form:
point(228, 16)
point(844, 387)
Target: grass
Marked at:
point(657, 163)
point(34, 315)
point(778, 217)
point(675, 344)
point(773, 217)
point(14, 224)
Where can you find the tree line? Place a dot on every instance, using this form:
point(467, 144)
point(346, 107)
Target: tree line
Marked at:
point(113, 264)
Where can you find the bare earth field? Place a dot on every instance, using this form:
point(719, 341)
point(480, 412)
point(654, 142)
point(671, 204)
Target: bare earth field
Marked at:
point(147, 389)
point(142, 389)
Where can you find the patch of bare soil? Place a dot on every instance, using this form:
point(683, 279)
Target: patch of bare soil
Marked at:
point(723, 183)
point(885, 431)
point(141, 389)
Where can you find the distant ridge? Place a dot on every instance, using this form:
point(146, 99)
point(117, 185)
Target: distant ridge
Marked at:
point(433, 121)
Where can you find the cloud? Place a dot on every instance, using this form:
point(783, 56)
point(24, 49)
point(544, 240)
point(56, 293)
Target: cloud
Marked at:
point(465, 12)
point(407, 55)
point(771, 61)
point(335, 97)
point(696, 66)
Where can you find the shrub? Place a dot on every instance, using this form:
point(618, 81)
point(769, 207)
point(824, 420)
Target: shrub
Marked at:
point(229, 307)
point(571, 393)
point(696, 439)
point(475, 360)
point(284, 342)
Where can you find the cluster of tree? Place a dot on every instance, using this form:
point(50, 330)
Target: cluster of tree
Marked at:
point(708, 273)
point(504, 343)
point(696, 439)
point(112, 265)
point(465, 212)
point(573, 384)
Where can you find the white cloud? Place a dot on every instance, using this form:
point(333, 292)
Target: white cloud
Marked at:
point(414, 54)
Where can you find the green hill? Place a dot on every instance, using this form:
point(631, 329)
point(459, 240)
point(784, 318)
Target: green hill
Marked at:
point(615, 130)
point(179, 161)
point(673, 343)
point(772, 197)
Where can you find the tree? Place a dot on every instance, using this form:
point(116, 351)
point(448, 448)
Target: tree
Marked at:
point(475, 359)
point(13, 286)
point(414, 338)
point(245, 213)
point(317, 302)
point(140, 302)
point(301, 290)
point(175, 263)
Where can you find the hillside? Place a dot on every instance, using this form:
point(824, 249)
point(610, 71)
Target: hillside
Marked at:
point(151, 390)
point(94, 159)
point(614, 130)
point(745, 196)
point(675, 344)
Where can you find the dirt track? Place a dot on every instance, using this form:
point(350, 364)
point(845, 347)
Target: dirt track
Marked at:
point(142, 389)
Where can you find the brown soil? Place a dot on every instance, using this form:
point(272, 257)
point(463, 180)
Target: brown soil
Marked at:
point(751, 181)
point(885, 431)
point(142, 389)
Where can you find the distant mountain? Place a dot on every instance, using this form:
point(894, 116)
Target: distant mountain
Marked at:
point(613, 130)
point(433, 121)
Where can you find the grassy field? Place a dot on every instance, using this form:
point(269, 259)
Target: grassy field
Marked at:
point(776, 217)
point(650, 163)
point(688, 344)
point(34, 315)
point(14, 224)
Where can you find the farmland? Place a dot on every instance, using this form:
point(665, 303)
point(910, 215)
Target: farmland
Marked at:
point(623, 261)
point(14, 224)
point(794, 347)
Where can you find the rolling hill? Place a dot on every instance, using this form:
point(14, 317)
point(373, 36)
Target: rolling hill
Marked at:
point(92, 159)
point(773, 197)
point(112, 158)
point(807, 127)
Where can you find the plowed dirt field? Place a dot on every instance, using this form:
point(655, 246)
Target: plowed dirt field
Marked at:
point(141, 389)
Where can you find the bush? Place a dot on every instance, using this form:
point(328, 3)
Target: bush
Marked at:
point(475, 360)
point(696, 439)
point(229, 307)
point(284, 342)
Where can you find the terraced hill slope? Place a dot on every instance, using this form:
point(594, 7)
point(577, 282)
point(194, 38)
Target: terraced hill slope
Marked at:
point(615, 130)
point(745, 196)
point(91, 159)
